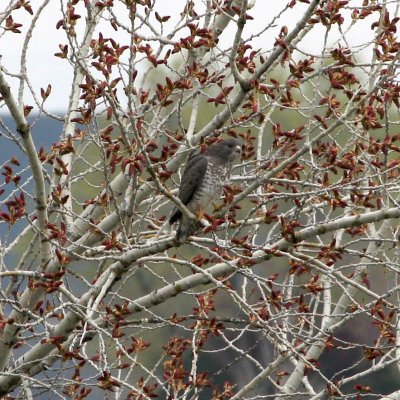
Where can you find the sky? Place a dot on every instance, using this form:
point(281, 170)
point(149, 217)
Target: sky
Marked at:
point(44, 68)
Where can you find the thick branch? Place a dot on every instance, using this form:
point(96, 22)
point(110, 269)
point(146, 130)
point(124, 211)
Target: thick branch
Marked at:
point(28, 299)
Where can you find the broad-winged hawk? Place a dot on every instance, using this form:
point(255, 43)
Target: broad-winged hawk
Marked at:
point(203, 179)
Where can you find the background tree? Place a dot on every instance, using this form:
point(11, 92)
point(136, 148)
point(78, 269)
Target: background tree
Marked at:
point(290, 289)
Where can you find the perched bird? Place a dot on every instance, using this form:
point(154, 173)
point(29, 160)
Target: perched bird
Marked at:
point(203, 179)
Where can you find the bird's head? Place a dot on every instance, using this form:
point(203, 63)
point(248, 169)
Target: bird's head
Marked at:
point(227, 149)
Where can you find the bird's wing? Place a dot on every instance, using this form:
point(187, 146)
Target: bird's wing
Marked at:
point(192, 178)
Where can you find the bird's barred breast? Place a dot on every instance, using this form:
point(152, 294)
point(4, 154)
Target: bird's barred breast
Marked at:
point(211, 186)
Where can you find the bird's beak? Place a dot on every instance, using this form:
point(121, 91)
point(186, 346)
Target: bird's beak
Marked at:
point(238, 149)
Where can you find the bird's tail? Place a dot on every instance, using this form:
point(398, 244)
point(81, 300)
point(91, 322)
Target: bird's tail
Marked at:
point(182, 232)
point(185, 229)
